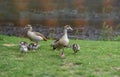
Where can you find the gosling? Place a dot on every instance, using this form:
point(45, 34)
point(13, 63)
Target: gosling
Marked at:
point(33, 46)
point(23, 46)
point(75, 47)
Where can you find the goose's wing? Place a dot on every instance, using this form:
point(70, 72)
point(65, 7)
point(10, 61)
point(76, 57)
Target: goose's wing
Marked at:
point(39, 34)
point(55, 42)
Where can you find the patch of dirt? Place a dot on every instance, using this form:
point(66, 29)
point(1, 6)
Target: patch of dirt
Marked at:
point(117, 68)
point(70, 64)
point(9, 45)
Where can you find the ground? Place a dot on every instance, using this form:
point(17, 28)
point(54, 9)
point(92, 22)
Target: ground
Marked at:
point(95, 59)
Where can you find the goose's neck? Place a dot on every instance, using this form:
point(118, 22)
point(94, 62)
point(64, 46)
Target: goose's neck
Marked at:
point(65, 32)
point(30, 29)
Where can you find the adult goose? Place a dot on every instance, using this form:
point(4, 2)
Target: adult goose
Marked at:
point(63, 41)
point(34, 36)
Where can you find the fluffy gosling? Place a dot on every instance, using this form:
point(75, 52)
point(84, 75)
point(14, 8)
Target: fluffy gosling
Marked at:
point(23, 46)
point(75, 47)
point(33, 46)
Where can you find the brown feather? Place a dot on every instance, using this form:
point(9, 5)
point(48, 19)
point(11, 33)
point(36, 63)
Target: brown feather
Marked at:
point(39, 34)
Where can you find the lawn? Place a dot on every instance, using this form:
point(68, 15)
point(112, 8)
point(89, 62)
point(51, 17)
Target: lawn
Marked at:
point(95, 59)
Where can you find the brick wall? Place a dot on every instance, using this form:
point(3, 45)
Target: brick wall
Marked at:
point(90, 14)
point(60, 12)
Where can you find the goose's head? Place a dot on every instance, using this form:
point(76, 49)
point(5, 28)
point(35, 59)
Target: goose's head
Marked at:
point(28, 27)
point(67, 27)
point(23, 43)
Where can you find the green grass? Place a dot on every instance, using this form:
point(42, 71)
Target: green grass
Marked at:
point(95, 59)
